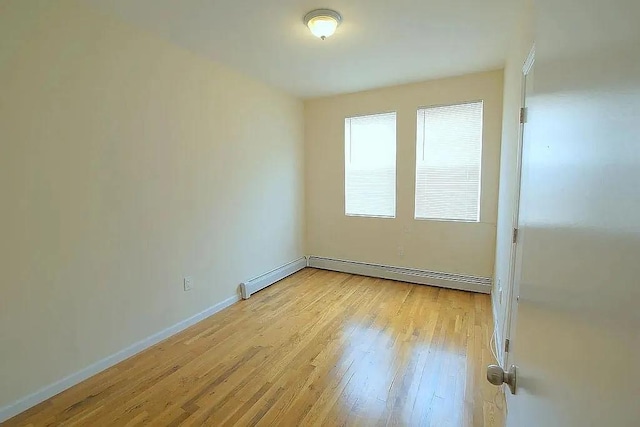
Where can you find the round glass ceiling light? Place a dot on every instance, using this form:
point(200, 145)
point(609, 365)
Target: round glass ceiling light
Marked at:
point(322, 22)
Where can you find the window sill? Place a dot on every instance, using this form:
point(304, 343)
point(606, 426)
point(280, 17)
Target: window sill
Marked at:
point(369, 216)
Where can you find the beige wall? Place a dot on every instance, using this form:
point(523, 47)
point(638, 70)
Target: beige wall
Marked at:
point(453, 247)
point(521, 44)
point(125, 164)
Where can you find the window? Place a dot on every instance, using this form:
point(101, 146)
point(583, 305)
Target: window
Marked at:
point(370, 165)
point(448, 162)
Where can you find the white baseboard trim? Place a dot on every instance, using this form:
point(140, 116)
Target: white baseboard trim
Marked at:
point(254, 285)
point(402, 274)
point(59, 386)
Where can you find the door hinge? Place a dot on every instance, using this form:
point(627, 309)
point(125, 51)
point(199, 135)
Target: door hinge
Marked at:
point(507, 345)
point(515, 235)
point(523, 115)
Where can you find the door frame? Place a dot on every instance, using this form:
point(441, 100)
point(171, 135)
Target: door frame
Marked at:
point(512, 291)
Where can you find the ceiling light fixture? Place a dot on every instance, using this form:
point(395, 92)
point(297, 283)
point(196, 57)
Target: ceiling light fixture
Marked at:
point(322, 22)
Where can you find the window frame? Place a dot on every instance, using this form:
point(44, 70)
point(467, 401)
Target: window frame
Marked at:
point(344, 165)
point(482, 148)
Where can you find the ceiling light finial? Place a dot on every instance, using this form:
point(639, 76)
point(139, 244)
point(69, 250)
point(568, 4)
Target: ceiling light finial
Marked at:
point(322, 22)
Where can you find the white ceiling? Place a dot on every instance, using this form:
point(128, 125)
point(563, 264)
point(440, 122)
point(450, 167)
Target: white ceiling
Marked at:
point(380, 42)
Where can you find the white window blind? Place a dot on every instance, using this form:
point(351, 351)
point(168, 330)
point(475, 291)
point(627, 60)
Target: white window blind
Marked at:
point(448, 162)
point(370, 165)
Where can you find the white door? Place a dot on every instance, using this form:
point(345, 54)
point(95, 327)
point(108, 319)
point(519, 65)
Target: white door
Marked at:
point(576, 336)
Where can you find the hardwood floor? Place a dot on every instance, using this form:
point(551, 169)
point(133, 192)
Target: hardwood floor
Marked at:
point(318, 348)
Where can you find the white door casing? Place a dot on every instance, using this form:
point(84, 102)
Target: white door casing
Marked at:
point(516, 254)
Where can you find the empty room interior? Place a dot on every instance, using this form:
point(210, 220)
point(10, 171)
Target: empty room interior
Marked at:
point(303, 213)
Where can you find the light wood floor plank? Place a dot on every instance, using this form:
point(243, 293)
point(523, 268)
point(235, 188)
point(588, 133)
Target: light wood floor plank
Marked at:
point(318, 348)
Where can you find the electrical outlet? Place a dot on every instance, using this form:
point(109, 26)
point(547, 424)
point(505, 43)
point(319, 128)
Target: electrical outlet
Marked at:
point(188, 283)
point(400, 251)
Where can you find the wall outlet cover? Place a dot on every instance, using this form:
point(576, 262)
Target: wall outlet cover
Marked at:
point(188, 283)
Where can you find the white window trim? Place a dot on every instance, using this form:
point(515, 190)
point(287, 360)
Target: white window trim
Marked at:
point(482, 148)
point(344, 163)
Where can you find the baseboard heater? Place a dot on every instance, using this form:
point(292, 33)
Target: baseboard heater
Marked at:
point(254, 285)
point(402, 274)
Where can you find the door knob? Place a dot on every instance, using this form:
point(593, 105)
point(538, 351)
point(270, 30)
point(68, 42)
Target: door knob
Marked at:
point(498, 376)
